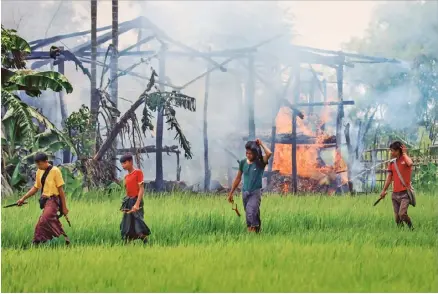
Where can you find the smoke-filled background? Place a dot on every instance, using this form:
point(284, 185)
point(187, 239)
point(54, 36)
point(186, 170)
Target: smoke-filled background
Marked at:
point(399, 98)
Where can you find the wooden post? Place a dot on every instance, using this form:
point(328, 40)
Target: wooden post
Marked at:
point(64, 114)
point(296, 98)
point(139, 36)
point(312, 94)
point(324, 89)
point(178, 168)
point(159, 180)
point(207, 172)
point(338, 157)
point(113, 73)
point(350, 157)
point(94, 99)
point(250, 92)
point(273, 138)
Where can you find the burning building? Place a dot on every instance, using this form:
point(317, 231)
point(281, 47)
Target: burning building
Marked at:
point(319, 167)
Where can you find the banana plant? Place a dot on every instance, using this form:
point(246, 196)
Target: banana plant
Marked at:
point(25, 130)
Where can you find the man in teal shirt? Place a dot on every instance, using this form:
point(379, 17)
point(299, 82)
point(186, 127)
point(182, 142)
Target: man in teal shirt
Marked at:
point(252, 168)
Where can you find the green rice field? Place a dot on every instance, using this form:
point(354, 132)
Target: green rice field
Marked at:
point(198, 244)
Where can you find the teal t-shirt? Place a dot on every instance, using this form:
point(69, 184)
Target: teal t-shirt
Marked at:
point(252, 175)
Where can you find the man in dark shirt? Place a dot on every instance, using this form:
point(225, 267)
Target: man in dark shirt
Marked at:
point(252, 168)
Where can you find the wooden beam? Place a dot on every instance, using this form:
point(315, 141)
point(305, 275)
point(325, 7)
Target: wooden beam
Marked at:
point(207, 72)
point(360, 56)
point(148, 149)
point(137, 45)
point(333, 103)
point(350, 157)
point(207, 171)
point(178, 167)
point(324, 90)
point(300, 139)
point(64, 113)
point(338, 155)
point(250, 92)
point(312, 95)
point(94, 98)
point(114, 66)
point(44, 42)
point(296, 97)
point(159, 180)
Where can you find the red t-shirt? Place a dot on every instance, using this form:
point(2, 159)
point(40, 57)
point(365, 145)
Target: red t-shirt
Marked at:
point(132, 183)
point(405, 172)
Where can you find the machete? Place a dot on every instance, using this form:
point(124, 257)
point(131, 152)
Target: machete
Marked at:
point(378, 200)
point(13, 204)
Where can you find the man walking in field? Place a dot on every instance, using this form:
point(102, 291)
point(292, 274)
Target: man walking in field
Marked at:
point(252, 168)
point(400, 165)
point(49, 181)
point(133, 226)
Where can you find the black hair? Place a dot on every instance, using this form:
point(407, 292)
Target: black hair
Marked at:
point(125, 158)
point(41, 157)
point(257, 152)
point(396, 145)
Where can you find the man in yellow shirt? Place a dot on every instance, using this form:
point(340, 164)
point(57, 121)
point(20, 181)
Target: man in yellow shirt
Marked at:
point(49, 181)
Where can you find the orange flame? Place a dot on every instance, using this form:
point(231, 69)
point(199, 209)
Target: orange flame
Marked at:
point(307, 155)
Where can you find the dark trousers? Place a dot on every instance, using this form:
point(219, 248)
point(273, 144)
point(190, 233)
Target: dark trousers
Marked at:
point(400, 203)
point(251, 204)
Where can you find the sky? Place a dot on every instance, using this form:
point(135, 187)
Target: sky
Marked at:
point(332, 24)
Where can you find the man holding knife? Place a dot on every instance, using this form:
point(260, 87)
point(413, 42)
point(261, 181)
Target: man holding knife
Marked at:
point(399, 172)
point(49, 180)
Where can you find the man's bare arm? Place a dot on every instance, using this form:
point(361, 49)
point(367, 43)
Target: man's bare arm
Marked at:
point(387, 183)
point(267, 152)
point(236, 182)
point(408, 160)
point(29, 194)
point(140, 195)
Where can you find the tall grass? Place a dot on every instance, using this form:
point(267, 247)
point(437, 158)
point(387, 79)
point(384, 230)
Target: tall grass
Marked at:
point(199, 244)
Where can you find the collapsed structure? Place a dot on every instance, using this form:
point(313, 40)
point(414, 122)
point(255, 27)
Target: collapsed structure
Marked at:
point(298, 134)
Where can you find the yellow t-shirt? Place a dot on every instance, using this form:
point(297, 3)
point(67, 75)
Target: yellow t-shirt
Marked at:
point(53, 182)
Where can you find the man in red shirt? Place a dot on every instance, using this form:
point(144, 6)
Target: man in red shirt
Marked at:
point(133, 226)
point(400, 197)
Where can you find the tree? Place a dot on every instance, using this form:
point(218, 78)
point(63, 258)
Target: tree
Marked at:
point(128, 124)
point(24, 129)
point(408, 89)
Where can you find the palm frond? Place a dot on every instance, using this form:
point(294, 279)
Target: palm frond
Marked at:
point(25, 116)
point(38, 81)
point(169, 113)
point(18, 110)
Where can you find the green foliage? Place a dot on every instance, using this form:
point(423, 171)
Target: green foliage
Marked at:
point(14, 49)
point(167, 102)
point(33, 82)
point(426, 177)
point(25, 130)
point(73, 181)
point(391, 34)
point(79, 130)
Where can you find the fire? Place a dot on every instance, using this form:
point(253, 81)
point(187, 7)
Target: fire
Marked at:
point(308, 156)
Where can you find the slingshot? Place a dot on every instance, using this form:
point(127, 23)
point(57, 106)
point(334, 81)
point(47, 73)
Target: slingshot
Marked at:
point(235, 208)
